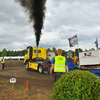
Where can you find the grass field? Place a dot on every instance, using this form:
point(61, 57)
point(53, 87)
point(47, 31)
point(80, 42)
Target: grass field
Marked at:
point(19, 92)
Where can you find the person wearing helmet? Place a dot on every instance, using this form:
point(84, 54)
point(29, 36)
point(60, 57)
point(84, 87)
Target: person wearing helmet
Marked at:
point(59, 64)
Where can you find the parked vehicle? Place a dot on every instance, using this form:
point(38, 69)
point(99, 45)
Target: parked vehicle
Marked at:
point(90, 60)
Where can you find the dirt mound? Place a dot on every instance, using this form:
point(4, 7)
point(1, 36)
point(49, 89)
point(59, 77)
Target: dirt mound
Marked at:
point(14, 63)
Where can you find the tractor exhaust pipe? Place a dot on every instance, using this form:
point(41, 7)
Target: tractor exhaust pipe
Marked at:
point(36, 51)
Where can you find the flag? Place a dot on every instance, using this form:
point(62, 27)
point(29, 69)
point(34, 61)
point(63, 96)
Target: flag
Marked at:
point(73, 41)
point(96, 42)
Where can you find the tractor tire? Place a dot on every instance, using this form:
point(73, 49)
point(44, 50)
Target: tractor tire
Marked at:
point(27, 66)
point(40, 69)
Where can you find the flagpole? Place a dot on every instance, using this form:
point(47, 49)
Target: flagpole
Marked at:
point(78, 49)
point(78, 46)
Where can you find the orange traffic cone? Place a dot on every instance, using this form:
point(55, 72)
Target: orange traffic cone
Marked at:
point(1, 66)
point(27, 86)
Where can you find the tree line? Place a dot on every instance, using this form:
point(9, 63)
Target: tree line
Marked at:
point(64, 53)
point(4, 52)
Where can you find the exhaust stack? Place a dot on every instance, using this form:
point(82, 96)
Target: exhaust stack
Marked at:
point(36, 51)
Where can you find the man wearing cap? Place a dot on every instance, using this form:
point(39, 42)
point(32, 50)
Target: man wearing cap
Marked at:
point(59, 64)
point(3, 61)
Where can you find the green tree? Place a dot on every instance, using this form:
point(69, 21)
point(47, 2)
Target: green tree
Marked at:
point(17, 53)
point(48, 50)
point(12, 53)
point(0, 53)
point(77, 51)
point(64, 53)
point(20, 54)
point(92, 49)
point(23, 52)
point(8, 52)
point(54, 50)
point(4, 52)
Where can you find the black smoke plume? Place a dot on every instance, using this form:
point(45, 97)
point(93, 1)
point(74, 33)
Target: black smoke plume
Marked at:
point(36, 11)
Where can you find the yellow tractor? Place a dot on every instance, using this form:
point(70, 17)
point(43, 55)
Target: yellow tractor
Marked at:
point(72, 58)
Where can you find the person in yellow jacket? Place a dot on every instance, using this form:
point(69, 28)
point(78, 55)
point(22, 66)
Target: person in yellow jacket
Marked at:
point(3, 62)
point(59, 64)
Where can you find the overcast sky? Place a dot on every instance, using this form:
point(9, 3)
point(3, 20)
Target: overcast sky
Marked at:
point(64, 19)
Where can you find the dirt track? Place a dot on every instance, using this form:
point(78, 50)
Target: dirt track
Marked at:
point(41, 82)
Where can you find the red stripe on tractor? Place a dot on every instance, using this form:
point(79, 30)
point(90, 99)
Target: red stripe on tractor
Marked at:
point(93, 67)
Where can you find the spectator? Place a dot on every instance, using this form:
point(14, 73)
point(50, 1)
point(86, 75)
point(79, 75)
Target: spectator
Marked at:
point(59, 64)
point(3, 62)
